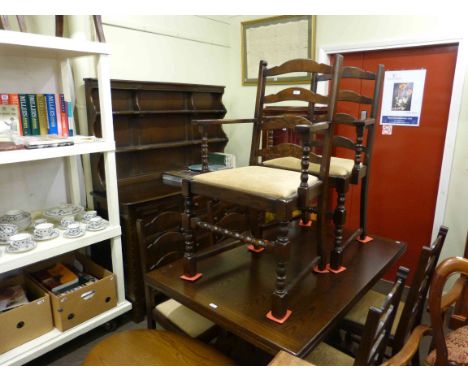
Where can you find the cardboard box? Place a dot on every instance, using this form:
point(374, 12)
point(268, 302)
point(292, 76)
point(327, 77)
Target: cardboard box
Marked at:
point(73, 308)
point(26, 322)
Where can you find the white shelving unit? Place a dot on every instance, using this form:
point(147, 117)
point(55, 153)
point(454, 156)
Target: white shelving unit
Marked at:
point(22, 51)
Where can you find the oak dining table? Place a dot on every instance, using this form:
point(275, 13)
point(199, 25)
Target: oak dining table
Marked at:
point(235, 290)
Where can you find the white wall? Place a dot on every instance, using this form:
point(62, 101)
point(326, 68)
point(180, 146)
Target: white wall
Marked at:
point(359, 30)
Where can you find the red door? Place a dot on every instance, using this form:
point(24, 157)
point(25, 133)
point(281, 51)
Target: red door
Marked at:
point(406, 165)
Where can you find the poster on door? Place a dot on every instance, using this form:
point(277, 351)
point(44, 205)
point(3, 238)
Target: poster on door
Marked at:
point(402, 97)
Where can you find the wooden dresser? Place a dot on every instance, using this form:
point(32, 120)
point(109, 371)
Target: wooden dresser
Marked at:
point(153, 134)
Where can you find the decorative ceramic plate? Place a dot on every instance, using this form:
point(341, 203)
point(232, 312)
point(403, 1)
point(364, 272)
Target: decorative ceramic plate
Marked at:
point(21, 219)
point(10, 249)
point(101, 227)
point(54, 235)
point(63, 210)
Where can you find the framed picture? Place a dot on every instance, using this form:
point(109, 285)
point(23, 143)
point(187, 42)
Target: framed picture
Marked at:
point(276, 40)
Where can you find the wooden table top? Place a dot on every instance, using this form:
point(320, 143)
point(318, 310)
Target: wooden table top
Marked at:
point(235, 291)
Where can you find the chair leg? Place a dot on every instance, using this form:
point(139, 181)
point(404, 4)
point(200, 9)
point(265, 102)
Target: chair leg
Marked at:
point(321, 236)
point(279, 308)
point(189, 262)
point(339, 219)
point(363, 208)
point(149, 299)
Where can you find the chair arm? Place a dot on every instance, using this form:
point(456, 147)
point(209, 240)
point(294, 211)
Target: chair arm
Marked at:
point(207, 122)
point(283, 358)
point(452, 295)
point(406, 354)
point(312, 128)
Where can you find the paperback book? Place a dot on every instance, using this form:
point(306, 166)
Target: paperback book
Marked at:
point(56, 278)
point(9, 122)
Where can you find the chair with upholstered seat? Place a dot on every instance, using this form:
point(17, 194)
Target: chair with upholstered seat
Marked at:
point(155, 252)
point(344, 171)
point(161, 242)
point(448, 348)
point(410, 312)
point(375, 335)
point(265, 189)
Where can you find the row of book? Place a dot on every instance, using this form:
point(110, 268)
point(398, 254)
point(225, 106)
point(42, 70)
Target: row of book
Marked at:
point(36, 114)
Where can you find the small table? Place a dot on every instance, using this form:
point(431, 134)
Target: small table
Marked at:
point(235, 291)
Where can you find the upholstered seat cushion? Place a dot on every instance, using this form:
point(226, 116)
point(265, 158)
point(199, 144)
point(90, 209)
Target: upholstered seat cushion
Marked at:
point(192, 323)
point(256, 180)
point(338, 166)
point(326, 355)
point(457, 348)
point(358, 314)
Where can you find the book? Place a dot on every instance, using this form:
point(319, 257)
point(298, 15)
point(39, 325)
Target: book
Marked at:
point(51, 113)
point(225, 159)
point(56, 278)
point(14, 100)
point(71, 121)
point(59, 115)
point(64, 115)
point(11, 297)
point(25, 118)
point(9, 123)
point(32, 109)
point(42, 114)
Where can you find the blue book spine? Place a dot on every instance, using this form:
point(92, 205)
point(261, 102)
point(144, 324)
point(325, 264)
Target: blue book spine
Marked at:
point(51, 113)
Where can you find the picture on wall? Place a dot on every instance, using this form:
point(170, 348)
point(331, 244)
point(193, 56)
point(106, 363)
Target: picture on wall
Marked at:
point(402, 97)
point(276, 40)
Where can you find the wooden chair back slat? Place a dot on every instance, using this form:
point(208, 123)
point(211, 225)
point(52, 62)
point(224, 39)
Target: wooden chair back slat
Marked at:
point(296, 94)
point(352, 96)
point(283, 122)
point(299, 65)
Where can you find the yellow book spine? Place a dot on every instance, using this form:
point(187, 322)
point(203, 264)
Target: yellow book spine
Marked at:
point(42, 114)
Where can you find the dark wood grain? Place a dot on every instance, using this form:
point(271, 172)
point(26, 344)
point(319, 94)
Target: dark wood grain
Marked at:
point(240, 288)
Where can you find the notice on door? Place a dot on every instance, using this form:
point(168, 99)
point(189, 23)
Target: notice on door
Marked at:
point(402, 97)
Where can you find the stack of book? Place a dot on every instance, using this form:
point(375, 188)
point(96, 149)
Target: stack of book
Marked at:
point(61, 278)
point(36, 114)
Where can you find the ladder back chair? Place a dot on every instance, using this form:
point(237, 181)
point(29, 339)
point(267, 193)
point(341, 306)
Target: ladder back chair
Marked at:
point(410, 312)
point(161, 242)
point(343, 171)
point(156, 251)
point(277, 191)
point(375, 335)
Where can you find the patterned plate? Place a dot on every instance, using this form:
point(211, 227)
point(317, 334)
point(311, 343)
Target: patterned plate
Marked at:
point(63, 210)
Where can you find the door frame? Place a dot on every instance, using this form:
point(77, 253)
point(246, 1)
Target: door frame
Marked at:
point(454, 110)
